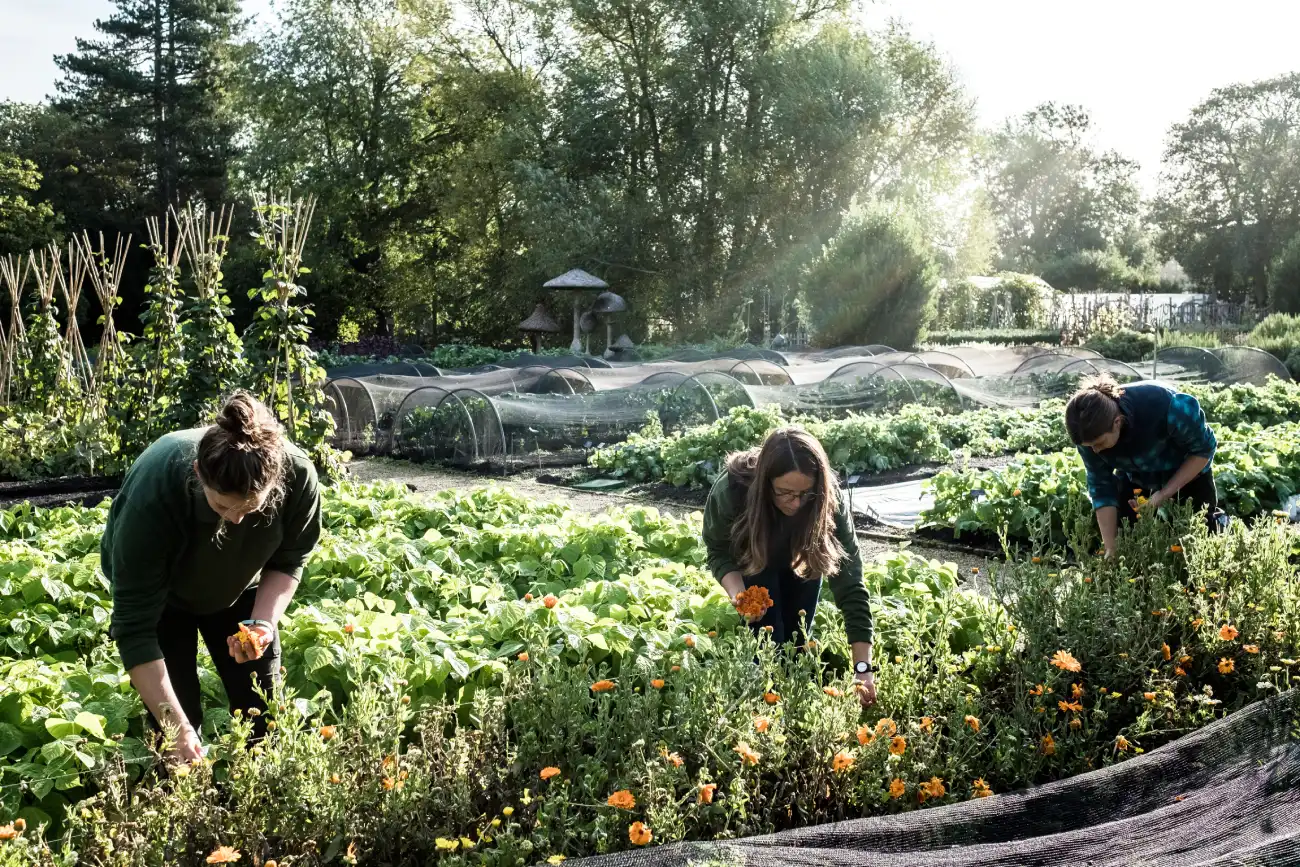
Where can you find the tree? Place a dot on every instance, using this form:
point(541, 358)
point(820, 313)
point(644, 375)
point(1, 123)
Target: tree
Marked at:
point(1230, 190)
point(151, 95)
point(873, 284)
point(1053, 195)
point(24, 222)
point(1284, 279)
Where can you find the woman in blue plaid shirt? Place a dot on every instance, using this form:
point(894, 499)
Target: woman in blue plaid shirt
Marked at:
point(1141, 441)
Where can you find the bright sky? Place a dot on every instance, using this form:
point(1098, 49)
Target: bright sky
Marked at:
point(1137, 65)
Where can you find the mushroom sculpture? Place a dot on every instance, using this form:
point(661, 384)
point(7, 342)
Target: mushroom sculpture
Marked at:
point(538, 324)
point(577, 282)
point(606, 306)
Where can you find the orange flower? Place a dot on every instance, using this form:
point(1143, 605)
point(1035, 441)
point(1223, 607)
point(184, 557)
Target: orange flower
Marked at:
point(1227, 632)
point(335, 779)
point(1149, 696)
point(1067, 706)
point(20, 825)
point(1164, 650)
point(1036, 690)
point(926, 723)
point(1178, 670)
point(224, 855)
point(897, 788)
point(771, 697)
point(1121, 743)
point(1076, 690)
point(550, 601)
point(753, 603)
point(673, 759)
point(1049, 745)
point(706, 792)
point(639, 834)
point(749, 757)
point(974, 570)
point(842, 762)
point(389, 783)
point(1251, 648)
point(602, 686)
point(1065, 661)
point(933, 789)
point(1076, 724)
point(349, 629)
point(1184, 660)
point(864, 735)
point(762, 724)
point(1226, 666)
point(973, 722)
point(550, 773)
point(523, 657)
point(657, 683)
point(327, 732)
point(897, 745)
point(713, 633)
point(886, 728)
point(1016, 492)
point(622, 799)
point(1036, 560)
point(980, 789)
point(1176, 549)
point(8, 832)
point(1196, 624)
point(528, 597)
point(251, 641)
point(676, 668)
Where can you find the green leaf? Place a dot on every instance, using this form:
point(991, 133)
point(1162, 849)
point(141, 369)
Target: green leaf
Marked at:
point(61, 728)
point(92, 723)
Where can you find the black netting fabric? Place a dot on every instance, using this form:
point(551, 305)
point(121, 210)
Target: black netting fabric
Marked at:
point(1227, 794)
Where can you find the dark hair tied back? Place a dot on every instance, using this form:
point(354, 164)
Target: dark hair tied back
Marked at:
point(1093, 409)
point(242, 454)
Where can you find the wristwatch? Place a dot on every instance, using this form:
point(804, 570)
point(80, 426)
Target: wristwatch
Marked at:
point(265, 624)
point(863, 668)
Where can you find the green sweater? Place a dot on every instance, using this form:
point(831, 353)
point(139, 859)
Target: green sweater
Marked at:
point(159, 546)
point(846, 585)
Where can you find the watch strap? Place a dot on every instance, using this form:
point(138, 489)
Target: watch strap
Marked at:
point(263, 623)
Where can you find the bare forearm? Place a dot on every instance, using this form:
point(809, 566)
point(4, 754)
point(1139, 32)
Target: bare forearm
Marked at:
point(733, 583)
point(1108, 523)
point(861, 652)
point(155, 687)
point(1190, 469)
point(274, 594)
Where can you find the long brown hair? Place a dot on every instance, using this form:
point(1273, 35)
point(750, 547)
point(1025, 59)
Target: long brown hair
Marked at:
point(242, 454)
point(816, 550)
point(1093, 409)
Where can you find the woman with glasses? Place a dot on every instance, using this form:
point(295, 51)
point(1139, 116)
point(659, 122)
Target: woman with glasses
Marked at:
point(775, 519)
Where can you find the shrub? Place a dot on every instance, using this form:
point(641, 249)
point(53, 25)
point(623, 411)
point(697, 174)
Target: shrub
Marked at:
point(1124, 345)
point(873, 284)
point(1280, 335)
point(1284, 279)
point(1004, 336)
point(1017, 302)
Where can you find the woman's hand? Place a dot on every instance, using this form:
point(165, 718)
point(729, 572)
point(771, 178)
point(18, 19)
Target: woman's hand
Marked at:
point(866, 688)
point(734, 584)
point(188, 748)
point(243, 653)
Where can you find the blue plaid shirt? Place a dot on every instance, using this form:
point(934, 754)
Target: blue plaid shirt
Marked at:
point(1162, 429)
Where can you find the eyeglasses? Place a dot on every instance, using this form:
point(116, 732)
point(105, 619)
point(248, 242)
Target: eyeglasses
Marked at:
point(800, 497)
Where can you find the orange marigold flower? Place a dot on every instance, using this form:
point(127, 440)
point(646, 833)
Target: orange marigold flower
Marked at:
point(335, 779)
point(933, 789)
point(832, 691)
point(1226, 666)
point(1049, 745)
point(1076, 724)
point(389, 782)
point(528, 597)
point(1063, 660)
point(1227, 632)
point(1177, 549)
point(980, 789)
point(1184, 660)
point(886, 728)
point(771, 697)
point(8, 832)
point(1036, 690)
point(550, 601)
point(673, 759)
point(224, 855)
point(1067, 706)
point(897, 788)
point(689, 640)
point(1149, 696)
point(1016, 492)
point(864, 735)
point(523, 657)
point(753, 603)
point(1251, 648)
point(622, 799)
point(602, 686)
point(348, 629)
point(973, 722)
point(1196, 624)
point(676, 668)
point(327, 732)
point(1121, 743)
point(762, 724)
point(657, 683)
point(550, 773)
point(1165, 651)
point(639, 834)
point(747, 754)
point(897, 745)
point(926, 723)
point(842, 762)
point(1178, 670)
point(1076, 690)
point(706, 792)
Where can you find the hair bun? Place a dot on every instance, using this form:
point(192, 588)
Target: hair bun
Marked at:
point(248, 424)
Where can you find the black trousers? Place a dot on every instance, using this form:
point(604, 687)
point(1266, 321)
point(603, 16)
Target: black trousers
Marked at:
point(178, 634)
point(790, 595)
point(1199, 491)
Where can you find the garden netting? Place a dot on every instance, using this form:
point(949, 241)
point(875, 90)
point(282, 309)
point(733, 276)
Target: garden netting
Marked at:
point(1228, 794)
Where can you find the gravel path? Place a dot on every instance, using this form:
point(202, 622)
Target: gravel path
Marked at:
point(428, 478)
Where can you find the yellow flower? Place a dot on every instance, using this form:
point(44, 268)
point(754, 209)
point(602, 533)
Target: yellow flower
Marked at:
point(1121, 743)
point(446, 845)
point(555, 859)
point(898, 745)
point(897, 788)
point(508, 811)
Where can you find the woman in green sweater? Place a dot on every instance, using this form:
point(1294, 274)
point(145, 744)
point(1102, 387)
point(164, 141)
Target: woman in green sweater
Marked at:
point(775, 519)
point(207, 538)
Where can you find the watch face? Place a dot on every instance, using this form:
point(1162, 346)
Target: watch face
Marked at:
point(862, 668)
